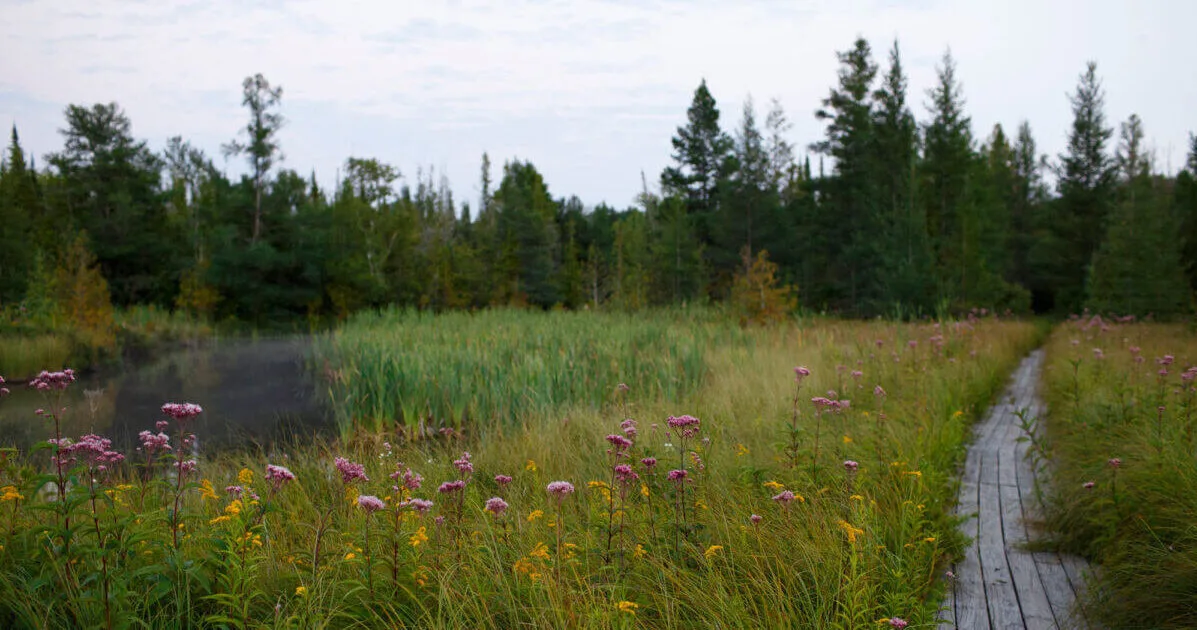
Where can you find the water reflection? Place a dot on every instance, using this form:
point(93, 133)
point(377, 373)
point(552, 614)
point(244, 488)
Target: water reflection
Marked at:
point(252, 391)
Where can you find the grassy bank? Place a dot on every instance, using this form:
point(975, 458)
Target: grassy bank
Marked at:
point(852, 501)
point(1124, 458)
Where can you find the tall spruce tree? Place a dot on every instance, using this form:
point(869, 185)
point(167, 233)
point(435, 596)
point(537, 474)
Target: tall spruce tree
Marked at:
point(702, 158)
point(1138, 269)
point(1185, 202)
point(847, 218)
point(18, 213)
point(1085, 183)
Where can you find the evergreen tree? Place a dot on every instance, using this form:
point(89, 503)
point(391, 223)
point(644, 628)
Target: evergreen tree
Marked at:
point(847, 220)
point(18, 212)
point(529, 238)
point(1185, 202)
point(750, 188)
point(1085, 184)
point(701, 153)
point(1025, 208)
point(907, 273)
point(1138, 270)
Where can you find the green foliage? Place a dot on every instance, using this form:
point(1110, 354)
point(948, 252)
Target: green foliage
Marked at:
point(1135, 401)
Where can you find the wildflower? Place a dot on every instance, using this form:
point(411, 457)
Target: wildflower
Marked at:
point(420, 506)
point(625, 475)
point(619, 442)
point(897, 622)
point(540, 552)
point(9, 493)
point(629, 428)
point(850, 466)
point(301, 590)
point(46, 381)
point(418, 538)
point(847, 439)
point(784, 498)
point(644, 490)
point(463, 465)
point(678, 475)
point(857, 374)
point(185, 466)
point(741, 450)
point(350, 471)
point(502, 480)
point(639, 551)
point(535, 515)
point(450, 487)
point(1115, 462)
point(1098, 354)
point(851, 531)
point(530, 466)
point(856, 497)
point(756, 519)
point(622, 387)
point(929, 539)
point(914, 473)
point(649, 462)
point(182, 412)
point(207, 491)
point(350, 555)
point(152, 443)
point(561, 489)
point(278, 475)
point(773, 485)
point(370, 503)
point(627, 607)
point(711, 551)
point(878, 392)
point(496, 505)
point(1088, 485)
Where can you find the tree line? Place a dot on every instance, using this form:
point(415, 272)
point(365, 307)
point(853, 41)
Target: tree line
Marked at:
point(901, 216)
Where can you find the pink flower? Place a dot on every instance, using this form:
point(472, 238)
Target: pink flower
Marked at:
point(850, 465)
point(182, 412)
point(1134, 349)
point(496, 505)
point(161, 425)
point(1098, 354)
point(350, 471)
point(878, 392)
point(560, 489)
point(421, 506)
point(47, 381)
point(897, 622)
point(411, 480)
point(278, 475)
point(625, 475)
point(1166, 361)
point(185, 466)
point(370, 503)
point(784, 497)
point(857, 374)
point(678, 475)
point(629, 427)
point(1088, 485)
point(502, 480)
point(450, 487)
point(800, 373)
point(3, 390)
point(619, 442)
point(680, 422)
point(622, 387)
point(1114, 462)
point(463, 465)
point(756, 519)
point(649, 462)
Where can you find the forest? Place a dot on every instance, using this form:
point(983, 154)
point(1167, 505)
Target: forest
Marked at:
point(891, 213)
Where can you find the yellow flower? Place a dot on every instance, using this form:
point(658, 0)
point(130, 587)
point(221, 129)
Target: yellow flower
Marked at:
point(597, 484)
point(245, 477)
point(540, 551)
point(774, 486)
point(913, 473)
point(350, 556)
point(301, 590)
point(847, 440)
point(531, 466)
point(218, 520)
point(741, 450)
point(644, 489)
point(10, 494)
point(207, 491)
point(233, 508)
point(418, 538)
point(351, 495)
point(569, 550)
point(535, 515)
point(627, 607)
point(700, 504)
point(711, 551)
point(851, 531)
point(856, 497)
point(639, 551)
point(929, 539)
point(957, 414)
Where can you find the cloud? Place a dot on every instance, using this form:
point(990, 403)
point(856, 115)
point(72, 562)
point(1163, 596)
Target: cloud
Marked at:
point(590, 90)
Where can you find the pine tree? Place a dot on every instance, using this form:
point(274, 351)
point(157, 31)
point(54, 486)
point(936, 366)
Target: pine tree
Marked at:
point(18, 211)
point(261, 146)
point(1185, 204)
point(1085, 185)
point(1138, 269)
point(701, 155)
point(751, 185)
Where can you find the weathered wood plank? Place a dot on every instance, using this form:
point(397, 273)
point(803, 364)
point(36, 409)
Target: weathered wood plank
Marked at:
point(968, 588)
point(999, 589)
point(1032, 598)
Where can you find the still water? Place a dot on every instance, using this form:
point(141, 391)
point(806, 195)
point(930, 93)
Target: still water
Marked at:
point(253, 391)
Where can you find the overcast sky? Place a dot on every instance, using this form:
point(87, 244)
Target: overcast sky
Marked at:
point(589, 90)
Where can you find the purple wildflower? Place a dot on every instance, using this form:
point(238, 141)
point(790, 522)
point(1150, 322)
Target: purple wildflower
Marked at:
point(850, 465)
point(756, 519)
point(278, 475)
point(677, 475)
point(451, 486)
point(561, 489)
point(370, 503)
point(182, 412)
point(496, 505)
point(784, 497)
point(502, 480)
point(350, 471)
point(649, 462)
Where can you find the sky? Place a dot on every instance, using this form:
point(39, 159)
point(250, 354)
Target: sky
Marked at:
point(590, 91)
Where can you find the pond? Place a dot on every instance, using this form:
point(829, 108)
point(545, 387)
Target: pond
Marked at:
point(253, 392)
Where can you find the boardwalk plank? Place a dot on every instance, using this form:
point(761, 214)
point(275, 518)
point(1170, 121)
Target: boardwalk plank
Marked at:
point(999, 589)
point(1032, 598)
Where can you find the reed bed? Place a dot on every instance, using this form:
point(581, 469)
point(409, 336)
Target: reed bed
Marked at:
point(758, 497)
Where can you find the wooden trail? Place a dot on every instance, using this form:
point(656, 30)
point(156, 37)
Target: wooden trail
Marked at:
point(999, 585)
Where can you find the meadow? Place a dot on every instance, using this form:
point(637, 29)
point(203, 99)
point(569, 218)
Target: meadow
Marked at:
point(1122, 450)
point(677, 471)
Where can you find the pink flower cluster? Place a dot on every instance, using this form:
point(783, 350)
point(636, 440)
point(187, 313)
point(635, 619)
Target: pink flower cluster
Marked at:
point(411, 480)
point(625, 475)
point(560, 489)
point(186, 466)
point(629, 428)
point(278, 475)
point(649, 462)
point(463, 465)
point(620, 442)
point(238, 491)
point(350, 472)
point(496, 505)
point(47, 381)
point(96, 451)
point(182, 412)
point(677, 475)
point(3, 390)
point(784, 497)
point(687, 424)
point(822, 403)
point(420, 506)
point(450, 487)
point(370, 503)
point(153, 443)
point(850, 465)
point(502, 480)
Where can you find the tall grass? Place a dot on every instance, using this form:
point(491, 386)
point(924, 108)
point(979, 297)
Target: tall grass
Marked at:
point(1124, 392)
point(856, 544)
point(22, 356)
point(488, 369)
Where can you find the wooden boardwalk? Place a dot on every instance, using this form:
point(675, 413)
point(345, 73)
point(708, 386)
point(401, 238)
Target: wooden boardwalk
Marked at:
point(998, 584)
